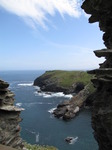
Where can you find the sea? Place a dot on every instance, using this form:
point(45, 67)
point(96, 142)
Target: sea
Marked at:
point(39, 126)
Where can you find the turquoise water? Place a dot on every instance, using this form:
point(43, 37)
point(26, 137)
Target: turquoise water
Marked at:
point(38, 125)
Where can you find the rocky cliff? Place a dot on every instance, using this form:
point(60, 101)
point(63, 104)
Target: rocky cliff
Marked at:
point(63, 81)
point(69, 109)
point(69, 82)
point(101, 11)
point(9, 118)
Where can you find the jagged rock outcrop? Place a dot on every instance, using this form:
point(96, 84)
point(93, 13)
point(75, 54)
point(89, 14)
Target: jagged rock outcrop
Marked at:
point(101, 11)
point(9, 118)
point(69, 109)
point(58, 81)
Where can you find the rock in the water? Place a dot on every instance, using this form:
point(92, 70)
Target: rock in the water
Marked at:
point(68, 109)
point(71, 140)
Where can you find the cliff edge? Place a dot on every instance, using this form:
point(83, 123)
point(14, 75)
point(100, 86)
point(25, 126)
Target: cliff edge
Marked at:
point(101, 11)
point(67, 82)
point(70, 82)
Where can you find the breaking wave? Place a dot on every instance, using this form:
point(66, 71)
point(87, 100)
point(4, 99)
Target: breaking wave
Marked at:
point(19, 104)
point(74, 140)
point(25, 84)
point(36, 135)
point(52, 94)
point(51, 110)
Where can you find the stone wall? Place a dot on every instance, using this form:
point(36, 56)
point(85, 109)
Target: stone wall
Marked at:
point(101, 11)
point(9, 118)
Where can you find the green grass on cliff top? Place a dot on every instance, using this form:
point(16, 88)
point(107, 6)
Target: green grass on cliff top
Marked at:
point(67, 78)
point(38, 147)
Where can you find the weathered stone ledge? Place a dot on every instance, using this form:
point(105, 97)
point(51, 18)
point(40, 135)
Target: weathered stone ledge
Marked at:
point(11, 108)
point(3, 147)
point(103, 53)
point(101, 71)
point(101, 80)
point(9, 119)
point(3, 85)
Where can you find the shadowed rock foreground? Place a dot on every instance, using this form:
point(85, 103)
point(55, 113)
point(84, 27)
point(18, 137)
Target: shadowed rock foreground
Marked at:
point(3, 147)
point(9, 118)
point(101, 11)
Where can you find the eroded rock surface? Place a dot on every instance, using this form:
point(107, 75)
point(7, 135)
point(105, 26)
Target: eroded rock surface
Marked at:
point(9, 118)
point(69, 109)
point(101, 11)
point(67, 82)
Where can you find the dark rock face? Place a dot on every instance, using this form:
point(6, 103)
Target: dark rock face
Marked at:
point(101, 11)
point(9, 118)
point(48, 84)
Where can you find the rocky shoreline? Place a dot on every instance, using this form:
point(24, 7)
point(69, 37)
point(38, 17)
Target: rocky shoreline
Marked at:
point(58, 81)
point(69, 108)
point(51, 86)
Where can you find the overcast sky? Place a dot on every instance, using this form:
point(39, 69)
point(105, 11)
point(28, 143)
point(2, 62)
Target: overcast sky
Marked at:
point(46, 35)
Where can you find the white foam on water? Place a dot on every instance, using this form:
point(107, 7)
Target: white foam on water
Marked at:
point(25, 84)
point(51, 110)
point(49, 103)
point(30, 104)
point(58, 94)
point(37, 138)
point(74, 140)
point(52, 94)
point(19, 104)
point(47, 96)
point(36, 103)
point(37, 88)
point(68, 96)
point(30, 131)
point(36, 135)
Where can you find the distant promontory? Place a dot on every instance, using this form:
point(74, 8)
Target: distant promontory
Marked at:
point(76, 83)
point(67, 82)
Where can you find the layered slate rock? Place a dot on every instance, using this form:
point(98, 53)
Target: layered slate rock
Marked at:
point(9, 118)
point(69, 109)
point(101, 11)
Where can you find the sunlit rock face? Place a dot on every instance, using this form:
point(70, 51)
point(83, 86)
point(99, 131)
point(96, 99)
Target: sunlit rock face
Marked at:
point(101, 11)
point(9, 118)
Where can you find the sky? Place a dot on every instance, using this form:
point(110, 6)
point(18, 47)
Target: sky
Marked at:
point(47, 35)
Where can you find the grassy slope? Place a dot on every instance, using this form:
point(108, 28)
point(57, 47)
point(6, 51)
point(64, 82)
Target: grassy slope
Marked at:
point(38, 147)
point(67, 78)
